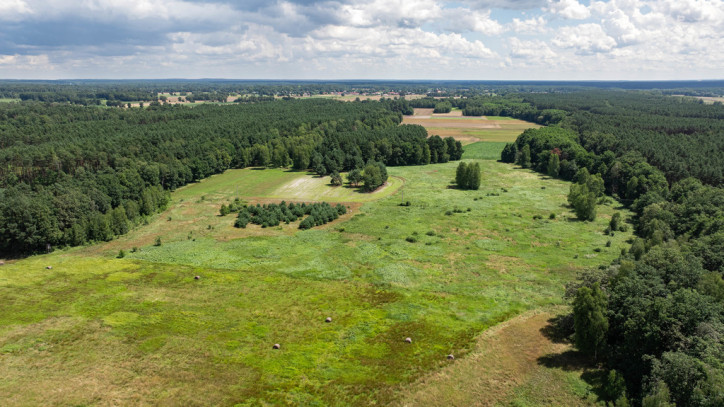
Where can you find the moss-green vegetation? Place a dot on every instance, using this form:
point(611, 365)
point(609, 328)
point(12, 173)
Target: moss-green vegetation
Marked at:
point(142, 328)
point(483, 151)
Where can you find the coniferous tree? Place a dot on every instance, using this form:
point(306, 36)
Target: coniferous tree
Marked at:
point(461, 175)
point(510, 151)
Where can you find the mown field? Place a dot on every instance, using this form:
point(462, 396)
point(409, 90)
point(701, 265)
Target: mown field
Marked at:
point(101, 330)
point(470, 129)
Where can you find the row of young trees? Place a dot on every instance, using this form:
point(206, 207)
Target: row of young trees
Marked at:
point(655, 317)
point(268, 215)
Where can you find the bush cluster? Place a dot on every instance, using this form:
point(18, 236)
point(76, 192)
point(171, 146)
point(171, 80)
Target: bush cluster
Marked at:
point(268, 215)
point(233, 207)
point(467, 176)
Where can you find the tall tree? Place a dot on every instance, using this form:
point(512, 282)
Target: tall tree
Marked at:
point(554, 165)
point(461, 175)
point(590, 322)
point(524, 156)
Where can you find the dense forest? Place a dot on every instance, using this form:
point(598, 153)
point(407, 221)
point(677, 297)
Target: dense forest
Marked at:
point(71, 174)
point(655, 317)
point(680, 136)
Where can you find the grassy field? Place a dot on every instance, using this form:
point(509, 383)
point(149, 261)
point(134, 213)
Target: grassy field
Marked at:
point(8, 100)
point(97, 330)
point(470, 129)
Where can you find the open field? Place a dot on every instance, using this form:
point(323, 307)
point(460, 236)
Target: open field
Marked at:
point(470, 129)
point(710, 100)
point(194, 212)
point(97, 330)
point(8, 100)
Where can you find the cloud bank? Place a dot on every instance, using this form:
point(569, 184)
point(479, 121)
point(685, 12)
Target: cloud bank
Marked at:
point(389, 39)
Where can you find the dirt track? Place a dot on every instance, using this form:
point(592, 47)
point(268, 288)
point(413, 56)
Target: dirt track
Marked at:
point(505, 358)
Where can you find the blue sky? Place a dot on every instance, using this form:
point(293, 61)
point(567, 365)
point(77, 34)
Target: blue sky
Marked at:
point(353, 39)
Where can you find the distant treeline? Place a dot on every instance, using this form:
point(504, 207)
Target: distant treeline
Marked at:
point(73, 174)
point(93, 92)
point(492, 106)
point(655, 317)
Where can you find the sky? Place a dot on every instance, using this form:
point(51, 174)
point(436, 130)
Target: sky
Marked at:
point(355, 39)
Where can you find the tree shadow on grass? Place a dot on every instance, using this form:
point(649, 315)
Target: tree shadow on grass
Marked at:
point(559, 330)
point(569, 360)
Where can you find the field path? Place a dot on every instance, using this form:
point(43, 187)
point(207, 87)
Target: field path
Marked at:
point(503, 366)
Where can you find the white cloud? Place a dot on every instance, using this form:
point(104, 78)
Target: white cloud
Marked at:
point(13, 9)
point(691, 11)
point(529, 26)
point(358, 38)
point(584, 39)
point(533, 51)
point(393, 42)
point(464, 20)
point(26, 61)
point(570, 9)
point(407, 13)
point(621, 28)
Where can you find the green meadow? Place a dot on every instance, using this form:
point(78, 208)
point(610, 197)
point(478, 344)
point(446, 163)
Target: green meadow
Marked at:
point(97, 329)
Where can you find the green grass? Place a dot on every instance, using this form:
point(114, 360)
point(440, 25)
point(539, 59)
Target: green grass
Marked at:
point(9, 100)
point(142, 330)
point(484, 150)
point(280, 184)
